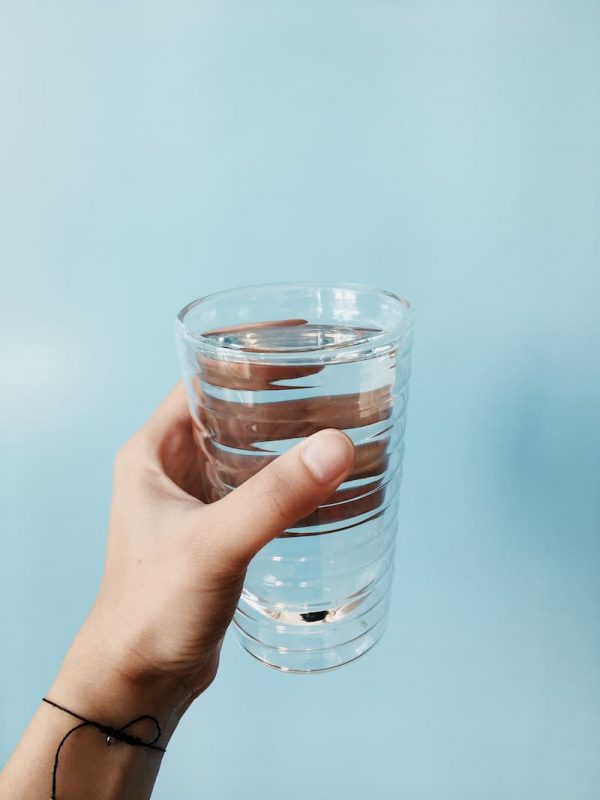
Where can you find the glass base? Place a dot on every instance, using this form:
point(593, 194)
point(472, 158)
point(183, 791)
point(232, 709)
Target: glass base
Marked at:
point(322, 640)
point(314, 663)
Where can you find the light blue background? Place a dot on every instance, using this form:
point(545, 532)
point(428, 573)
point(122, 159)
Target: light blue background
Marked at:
point(152, 152)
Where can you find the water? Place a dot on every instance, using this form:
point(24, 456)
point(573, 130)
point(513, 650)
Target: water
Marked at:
point(317, 596)
point(291, 336)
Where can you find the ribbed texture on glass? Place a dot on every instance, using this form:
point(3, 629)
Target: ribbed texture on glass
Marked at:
point(317, 596)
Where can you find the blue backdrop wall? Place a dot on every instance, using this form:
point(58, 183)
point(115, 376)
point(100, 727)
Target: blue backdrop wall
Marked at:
point(152, 152)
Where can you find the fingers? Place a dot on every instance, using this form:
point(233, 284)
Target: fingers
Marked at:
point(241, 426)
point(254, 375)
point(247, 374)
point(287, 489)
point(250, 326)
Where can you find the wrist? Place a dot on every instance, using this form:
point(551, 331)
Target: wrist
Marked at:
point(108, 687)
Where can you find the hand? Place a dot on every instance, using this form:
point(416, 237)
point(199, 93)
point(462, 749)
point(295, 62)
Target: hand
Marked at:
point(175, 566)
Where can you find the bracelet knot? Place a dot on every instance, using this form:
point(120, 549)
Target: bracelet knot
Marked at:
point(112, 735)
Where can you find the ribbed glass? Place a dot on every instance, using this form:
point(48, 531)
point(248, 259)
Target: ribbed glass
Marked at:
point(265, 366)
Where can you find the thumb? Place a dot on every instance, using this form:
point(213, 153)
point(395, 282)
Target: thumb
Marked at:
point(284, 491)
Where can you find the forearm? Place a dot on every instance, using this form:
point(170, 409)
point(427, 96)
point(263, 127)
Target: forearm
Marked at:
point(87, 766)
point(96, 689)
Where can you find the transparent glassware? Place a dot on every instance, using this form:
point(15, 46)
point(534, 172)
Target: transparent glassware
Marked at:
point(265, 366)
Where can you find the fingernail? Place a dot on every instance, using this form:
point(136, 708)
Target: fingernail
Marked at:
point(327, 454)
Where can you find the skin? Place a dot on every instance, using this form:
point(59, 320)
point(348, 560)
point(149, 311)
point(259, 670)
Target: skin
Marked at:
point(175, 565)
point(173, 574)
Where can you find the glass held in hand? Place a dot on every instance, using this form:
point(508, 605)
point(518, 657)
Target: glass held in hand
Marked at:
point(265, 367)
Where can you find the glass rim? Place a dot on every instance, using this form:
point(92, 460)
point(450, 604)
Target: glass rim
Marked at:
point(381, 339)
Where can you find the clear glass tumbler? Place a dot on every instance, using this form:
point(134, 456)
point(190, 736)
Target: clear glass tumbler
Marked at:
point(265, 366)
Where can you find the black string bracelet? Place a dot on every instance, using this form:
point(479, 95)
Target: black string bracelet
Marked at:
point(112, 735)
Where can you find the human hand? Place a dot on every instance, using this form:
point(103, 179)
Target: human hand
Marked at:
point(175, 566)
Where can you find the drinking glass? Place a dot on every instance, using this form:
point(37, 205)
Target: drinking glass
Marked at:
point(265, 366)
